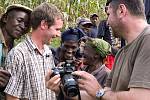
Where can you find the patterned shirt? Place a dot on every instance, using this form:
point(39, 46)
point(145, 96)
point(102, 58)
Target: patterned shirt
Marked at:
point(28, 68)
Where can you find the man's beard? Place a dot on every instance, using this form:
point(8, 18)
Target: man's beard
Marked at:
point(115, 32)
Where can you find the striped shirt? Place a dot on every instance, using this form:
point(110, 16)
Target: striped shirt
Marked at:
point(28, 68)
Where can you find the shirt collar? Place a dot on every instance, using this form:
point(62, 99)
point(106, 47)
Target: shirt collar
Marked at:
point(33, 46)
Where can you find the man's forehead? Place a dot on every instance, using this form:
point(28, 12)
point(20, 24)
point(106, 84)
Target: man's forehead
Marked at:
point(58, 22)
point(89, 48)
point(58, 19)
point(95, 17)
point(72, 42)
point(17, 13)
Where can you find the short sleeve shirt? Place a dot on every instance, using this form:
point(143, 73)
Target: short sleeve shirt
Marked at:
point(132, 65)
point(28, 68)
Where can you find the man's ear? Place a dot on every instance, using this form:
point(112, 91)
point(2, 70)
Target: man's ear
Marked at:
point(122, 11)
point(44, 25)
point(4, 18)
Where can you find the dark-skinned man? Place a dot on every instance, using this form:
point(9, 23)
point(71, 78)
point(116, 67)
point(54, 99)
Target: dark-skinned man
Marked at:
point(85, 26)
point(67, 51)
point(94, 18)
point(13, 24)
point(94, 54)
point(95, 51)
point(69, 46)
point(29, 60)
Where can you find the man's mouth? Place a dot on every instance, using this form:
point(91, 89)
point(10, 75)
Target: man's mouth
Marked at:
point(19, 31)
point(68, 56)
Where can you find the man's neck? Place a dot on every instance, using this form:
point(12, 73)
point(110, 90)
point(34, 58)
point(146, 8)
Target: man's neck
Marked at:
point(37, 40)
point(8, 39)
point(95, 65)
point(134, 29)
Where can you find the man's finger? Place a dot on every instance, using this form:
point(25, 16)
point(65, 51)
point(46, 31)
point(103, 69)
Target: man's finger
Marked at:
point(53, 83)
point(3, 82)
point(5, 73)
point(4, 79)
point(81, 81)
point(82, 74)
point(82, 87)
point(49, 73)
point(57, 81)
point(4, 76)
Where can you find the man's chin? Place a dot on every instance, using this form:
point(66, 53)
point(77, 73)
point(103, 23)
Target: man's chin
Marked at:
point(68, 58)
point(48, 42)
point(115, 34)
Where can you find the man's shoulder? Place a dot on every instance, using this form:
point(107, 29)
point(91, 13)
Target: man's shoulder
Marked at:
point(146, 31)
point(101, 71)
point(144, 38)
point(19, 49)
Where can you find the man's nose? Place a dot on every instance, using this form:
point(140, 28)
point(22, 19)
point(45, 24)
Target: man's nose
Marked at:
point(58, 34)
point(69, 50)
point(22, 26)
point(95, 20)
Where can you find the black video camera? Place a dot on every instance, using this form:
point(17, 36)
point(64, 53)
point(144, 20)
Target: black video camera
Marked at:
point(69, 81)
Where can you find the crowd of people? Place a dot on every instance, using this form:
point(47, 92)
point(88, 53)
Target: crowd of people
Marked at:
point(96, 60)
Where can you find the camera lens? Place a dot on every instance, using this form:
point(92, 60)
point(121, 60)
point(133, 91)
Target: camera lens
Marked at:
point(70, 85)
point(72, 91)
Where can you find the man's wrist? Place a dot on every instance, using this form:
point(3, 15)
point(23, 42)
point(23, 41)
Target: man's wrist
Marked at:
point(101, 92)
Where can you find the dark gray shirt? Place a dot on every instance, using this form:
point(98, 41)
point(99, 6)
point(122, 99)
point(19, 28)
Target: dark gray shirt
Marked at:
point(132, 65)
point(101, 74)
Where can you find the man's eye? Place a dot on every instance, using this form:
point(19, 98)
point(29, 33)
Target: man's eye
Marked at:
point(74, 47)
point(19, 20)
point(58, 29)
point(64, 46)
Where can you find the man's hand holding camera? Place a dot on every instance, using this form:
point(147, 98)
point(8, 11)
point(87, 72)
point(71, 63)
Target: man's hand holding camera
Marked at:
point(88, 83)
point(53, 83)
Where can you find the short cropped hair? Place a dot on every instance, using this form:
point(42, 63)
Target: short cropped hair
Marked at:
point(135, 7)
point(47, 12)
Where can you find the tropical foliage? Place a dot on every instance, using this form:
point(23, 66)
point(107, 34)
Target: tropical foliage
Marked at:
point(72, 9)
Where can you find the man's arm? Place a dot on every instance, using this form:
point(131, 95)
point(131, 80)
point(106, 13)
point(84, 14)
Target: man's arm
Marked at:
point(92, 88)
point(9, 97)
point(17, 85)
point(52, 83)
point(132, 94)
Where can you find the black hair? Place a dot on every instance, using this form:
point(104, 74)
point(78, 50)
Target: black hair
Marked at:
point(71, 34)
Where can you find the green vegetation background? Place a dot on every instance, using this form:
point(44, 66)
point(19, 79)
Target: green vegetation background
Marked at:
point(72, 9)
